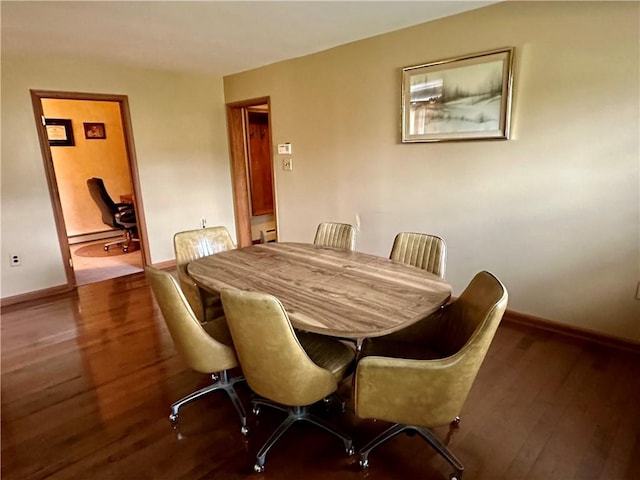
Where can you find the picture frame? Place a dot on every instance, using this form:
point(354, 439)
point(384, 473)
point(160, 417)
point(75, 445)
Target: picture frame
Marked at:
point(458, 99)
point(94, 131)
point(59, 132)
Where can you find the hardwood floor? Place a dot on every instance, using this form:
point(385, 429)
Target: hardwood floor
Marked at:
point(87, 380)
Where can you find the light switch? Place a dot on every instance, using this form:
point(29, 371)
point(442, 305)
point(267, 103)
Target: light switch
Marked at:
point(287, 164)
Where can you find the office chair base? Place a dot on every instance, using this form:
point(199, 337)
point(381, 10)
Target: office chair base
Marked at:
point(221, 382)
point(294, 414)
point(426, 434)
point(125, 242)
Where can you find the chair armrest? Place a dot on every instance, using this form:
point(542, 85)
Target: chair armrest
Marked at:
point(191, 292)
point(427, 393)
point(125, 208)
point(126, 218)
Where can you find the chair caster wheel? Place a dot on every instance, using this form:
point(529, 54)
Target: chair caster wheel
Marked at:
point(258, 468)
point(455, 476)
point(351, 451)
point(256, 410)
point(364, 463)
point(455, 423)
point(173, 418)
point(244, 430)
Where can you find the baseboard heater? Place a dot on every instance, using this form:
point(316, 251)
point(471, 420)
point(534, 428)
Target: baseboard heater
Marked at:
point(268, 236)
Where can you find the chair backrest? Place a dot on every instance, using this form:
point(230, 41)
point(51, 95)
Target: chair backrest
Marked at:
point(428, 252)
point(471, 320)
point(193, 244)
point(196, 347)
point(272, 359)
point(433, 392)
point(107, 206)
point(338, 235)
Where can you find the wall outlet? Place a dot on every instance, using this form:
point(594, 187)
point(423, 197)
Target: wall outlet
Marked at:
point(15, 260)
point(203, 222)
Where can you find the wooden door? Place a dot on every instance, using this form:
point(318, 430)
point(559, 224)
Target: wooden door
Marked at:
point(260, 170)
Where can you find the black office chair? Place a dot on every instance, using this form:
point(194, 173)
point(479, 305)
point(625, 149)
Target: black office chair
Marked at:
point(116, 215)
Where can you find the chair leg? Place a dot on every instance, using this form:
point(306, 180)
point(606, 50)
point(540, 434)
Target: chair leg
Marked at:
point(229, 386)
point(121, 241)
point(348, 443)
point(223, 383)
point(262, 454)
point(257, 402)
point(425, 433)
point(380, 439)
point(294, 414)
point(442, 449)
point(335, 397)
point(129, 240)
point(125, 241)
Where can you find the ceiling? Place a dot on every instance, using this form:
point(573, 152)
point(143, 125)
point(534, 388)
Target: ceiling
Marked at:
point(206, 37)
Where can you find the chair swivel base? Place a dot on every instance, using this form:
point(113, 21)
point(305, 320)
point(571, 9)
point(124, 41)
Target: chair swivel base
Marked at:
point(294, 414)
point(125, 242)
point(223, 382)
point(426, 434)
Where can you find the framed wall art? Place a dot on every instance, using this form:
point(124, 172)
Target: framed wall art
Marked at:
point(59, 132)
point(462, 98)
point(94, 131)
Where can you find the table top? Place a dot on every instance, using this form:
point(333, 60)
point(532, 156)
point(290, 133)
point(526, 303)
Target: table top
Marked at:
point(325, 290)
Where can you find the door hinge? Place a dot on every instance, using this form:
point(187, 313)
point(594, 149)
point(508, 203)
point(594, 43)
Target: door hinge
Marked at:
point(44, 121)
point(71, 262)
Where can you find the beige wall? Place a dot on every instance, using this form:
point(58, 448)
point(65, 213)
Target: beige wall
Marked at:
point(179, 130)
point(554, 212)
point(104, 158)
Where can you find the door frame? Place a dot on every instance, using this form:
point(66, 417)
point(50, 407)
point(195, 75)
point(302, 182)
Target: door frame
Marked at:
point(54, 194)
point(236, 126)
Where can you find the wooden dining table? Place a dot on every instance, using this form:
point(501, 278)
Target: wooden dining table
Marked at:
point(326, 290)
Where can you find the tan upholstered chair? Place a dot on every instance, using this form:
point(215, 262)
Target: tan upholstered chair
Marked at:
point(337, 235)
point(428, 252)
point(191, 245)
point(290, 372)
point(204, 348)
point(420, 377)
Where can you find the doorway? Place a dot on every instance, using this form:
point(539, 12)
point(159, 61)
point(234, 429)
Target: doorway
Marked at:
point(99, 144)
point(249, 124)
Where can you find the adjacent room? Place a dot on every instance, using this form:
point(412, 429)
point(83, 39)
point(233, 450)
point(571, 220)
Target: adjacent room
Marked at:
point(305, 216)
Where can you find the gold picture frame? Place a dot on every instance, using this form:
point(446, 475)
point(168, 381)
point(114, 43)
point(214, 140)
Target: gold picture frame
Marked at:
point(458, 99)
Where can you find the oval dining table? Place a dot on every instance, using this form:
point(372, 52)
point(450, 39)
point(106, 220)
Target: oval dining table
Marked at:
point(326, 290)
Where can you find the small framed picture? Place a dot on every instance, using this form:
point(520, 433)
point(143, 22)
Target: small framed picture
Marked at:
point(94, 131)
point(59, 132)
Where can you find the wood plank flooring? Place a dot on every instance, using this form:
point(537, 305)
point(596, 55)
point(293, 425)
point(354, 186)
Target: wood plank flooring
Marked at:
point(87, 380)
